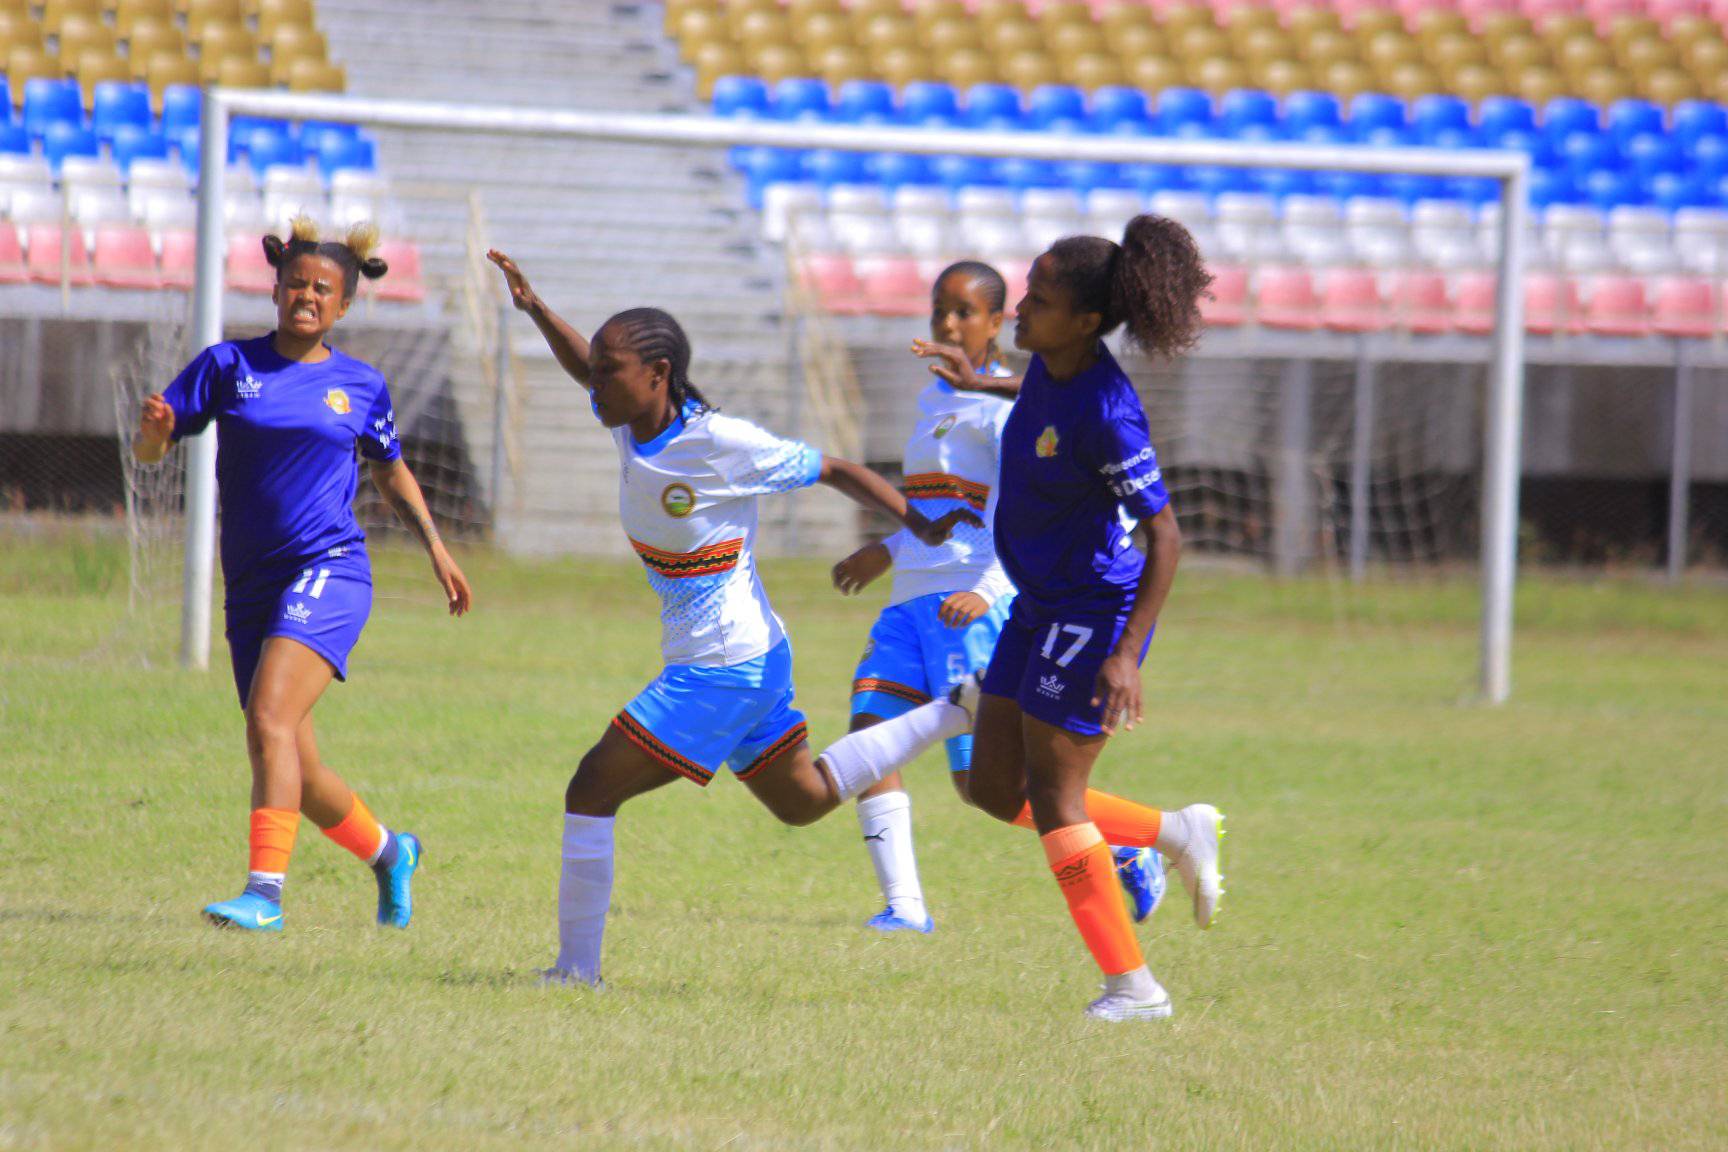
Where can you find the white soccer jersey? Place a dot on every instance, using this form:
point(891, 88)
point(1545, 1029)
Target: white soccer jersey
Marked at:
point(951, 461)
point(688, 502)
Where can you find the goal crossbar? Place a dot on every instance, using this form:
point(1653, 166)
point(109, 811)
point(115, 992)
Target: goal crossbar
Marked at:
point(1504, 415)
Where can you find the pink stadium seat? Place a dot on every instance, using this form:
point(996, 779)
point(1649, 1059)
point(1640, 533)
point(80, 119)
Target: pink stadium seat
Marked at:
point(12, 269)
point(124, 258)
point(1419, 302)
point(247, 270)
point(1287, 299)
point(1618, 307)
point(46, 263)
point(1350, 301)
point(179, 259)
point(1666, 11)
point(892, 286)
point(835, 284)
point(1684, 307)
point(1475, 10)
point(1473, 296)
point(405, 281)
point(1228, 306)
point(1551, 304)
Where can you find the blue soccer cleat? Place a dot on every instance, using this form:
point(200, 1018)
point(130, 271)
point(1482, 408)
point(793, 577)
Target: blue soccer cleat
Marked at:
point(889, 920)
point(247, 910)
point(1141, 871)
point(395, 901)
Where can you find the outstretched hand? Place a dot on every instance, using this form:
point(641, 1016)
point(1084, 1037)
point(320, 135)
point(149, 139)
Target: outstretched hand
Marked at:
point(961, 609)
point(936, 532)
point(853, 574)
point(948, 362)
point(521, 294)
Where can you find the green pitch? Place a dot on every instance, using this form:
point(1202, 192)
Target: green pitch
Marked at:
point(1447, 926)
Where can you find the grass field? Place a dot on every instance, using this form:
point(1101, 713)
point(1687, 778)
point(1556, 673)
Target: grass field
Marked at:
point(1448, 926)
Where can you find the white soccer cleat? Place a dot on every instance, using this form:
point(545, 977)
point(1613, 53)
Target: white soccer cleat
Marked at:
point(965, 694)
point(1198, 862)
point(1120, 1006)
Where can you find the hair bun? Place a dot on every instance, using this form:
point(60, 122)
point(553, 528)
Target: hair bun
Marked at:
point(274, 249)
point(373, 267)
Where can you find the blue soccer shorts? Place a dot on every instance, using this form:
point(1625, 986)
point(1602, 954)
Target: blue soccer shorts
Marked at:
point(323, 606)
point(696, 719)
point(1049, 665)
point(911, 656)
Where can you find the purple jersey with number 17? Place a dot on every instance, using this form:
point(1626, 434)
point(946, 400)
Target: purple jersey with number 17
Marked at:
point(1078, 469)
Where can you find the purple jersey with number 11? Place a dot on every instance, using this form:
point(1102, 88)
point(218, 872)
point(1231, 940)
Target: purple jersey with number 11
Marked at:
point(1078, 468)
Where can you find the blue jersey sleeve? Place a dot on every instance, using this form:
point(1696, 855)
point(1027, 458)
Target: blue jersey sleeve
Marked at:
point(1122, 454)
point(378, 439)
point(194, 394)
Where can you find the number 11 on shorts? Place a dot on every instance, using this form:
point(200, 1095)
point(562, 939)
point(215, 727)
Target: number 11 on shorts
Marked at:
point(317, 585)
point(1082, 636)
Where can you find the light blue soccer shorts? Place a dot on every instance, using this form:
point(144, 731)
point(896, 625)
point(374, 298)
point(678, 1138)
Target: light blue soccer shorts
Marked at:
point(696, 719)
point(911, 656)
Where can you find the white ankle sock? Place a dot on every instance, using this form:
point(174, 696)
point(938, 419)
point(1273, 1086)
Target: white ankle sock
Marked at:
point(860, 759)
point(1174, 833)
point(886, 822)
point(1137, 985)
point(584, 891)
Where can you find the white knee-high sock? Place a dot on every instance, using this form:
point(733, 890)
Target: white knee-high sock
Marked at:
point(860, 759)
point(584, 891)
point(886, 822)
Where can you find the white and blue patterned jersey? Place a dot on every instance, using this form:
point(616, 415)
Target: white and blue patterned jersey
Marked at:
point(953, 460)
point(688, 502)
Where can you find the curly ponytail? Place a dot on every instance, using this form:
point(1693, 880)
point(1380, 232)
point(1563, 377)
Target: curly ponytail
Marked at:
point(1153, 282)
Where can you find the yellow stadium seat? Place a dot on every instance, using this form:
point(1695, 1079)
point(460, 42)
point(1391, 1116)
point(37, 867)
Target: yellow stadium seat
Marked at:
point(1717, 88)
point(781, 59)
point(1201, 42)
point(239, 71)
point(1387, 50)
point(964, 69)
point(1627, 29)
point(930, 12)
point(30, 63)
point(1582, 54)
point(801, 10)
point(699, 27)
point(1371, 22)
point(719, 58)
point(1057, 13)
point(1496, 26)
point(1324, 48)
point(902, 66)
point(311, 76)
point(15, 7)
point(1559, 28)
point(204, 13)
point(1155, 73)
point(1440, 22)
point(952, 36)
point(1540, 85)
point(1454, 50)
point(673, 18)
point(839, 65)
point(1705, 57)
point(19, 31)
point(761, 28)
point(1131, 41)
point(1605, 85)
point(1029, 70)
point(865, 10)
point(294, 43)
point(1516, 53)
point(55, 12)
point(737, 11)
point(1282, 77)
point(1124, 16)
point(1264, 44)
point(885, 32)
point(992, 12)
point(98, 67)
point(166, 69)
point(80, 32)
point(223, 40)
point(274, 14)
point(149, 37)
point(1475, 82)
point(824, 30)
point(1669, 86)
point(1641, 57)
point(1179, 18)
point(1304, 22)
point(1007, 37)
point(1412, 81)
point(1091, 71)
point(1349, 78)
point(1067, 40)
point(1683, 30)
point(131, 12)
point(1242, 21)
point(1218, 75)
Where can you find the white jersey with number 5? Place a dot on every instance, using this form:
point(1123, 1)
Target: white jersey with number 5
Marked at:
point(688, 501)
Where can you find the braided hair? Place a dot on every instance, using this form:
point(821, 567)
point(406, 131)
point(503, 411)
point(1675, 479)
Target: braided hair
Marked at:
point(353, 254)
point(990, 282)
point(1153, 282)
point(653, 334)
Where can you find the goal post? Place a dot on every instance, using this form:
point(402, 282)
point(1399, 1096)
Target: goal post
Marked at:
point(1503, 421)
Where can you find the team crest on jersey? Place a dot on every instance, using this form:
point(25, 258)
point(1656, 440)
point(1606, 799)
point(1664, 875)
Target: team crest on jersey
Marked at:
point(1047, 443)
point(338, 401)
point(248, 387)
point(678, 501)
point(944, 427)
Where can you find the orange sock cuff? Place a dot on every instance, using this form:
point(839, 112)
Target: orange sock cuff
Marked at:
point(1024, 820)
point(1122, 822)
point(1086, 873)
point(1064, 844)
point(359, 832)
point(272, 839)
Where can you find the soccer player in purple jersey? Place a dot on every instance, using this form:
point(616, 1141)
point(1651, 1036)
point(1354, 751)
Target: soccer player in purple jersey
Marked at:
point(292, 411)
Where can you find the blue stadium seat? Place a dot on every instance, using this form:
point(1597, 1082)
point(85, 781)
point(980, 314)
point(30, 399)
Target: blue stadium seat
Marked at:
point(1255, 133)
point(337, 152)
point(241, 129)
point(1149, 179)
point(115, 104)
point(1696, 118)
point(1630, 118)
point(1305, 110)
point(1672, 191)
point(1282, 182)
point(987, 102)
point(182, 108)
point(1413, 188)
point(1247, 106)
point(765, 166)
point(1496, 116)
point(799, 98)
point(892, 169)
point(133, 142)
point(1180, 106)
point(313, 133)
point(740, 96)
point(1051, 104)
point(1473, 191)
point(185, 142)
point(864, 102)
point(1608, 189)
point(1585, 152)
point(1566, 115)
point(1651, 154)
point(1432, 115)
point(1538, 147)
point(922, 102)
point(828, 166)
point(1349, 185)
point(64, 138)
point(1453, 139)
point(49, 102)
point(267, 147)
point(960, 171)
point(1551, 186)
point(1085, 175)
point(1113, 106)
point(1709, 156)
point(1214, 181)
point(1021, 173)
point(1371, 111)
point(13, 138)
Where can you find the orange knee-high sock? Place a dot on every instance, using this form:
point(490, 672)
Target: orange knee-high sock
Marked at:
point(359, 832)
point(1122, 822)
point(1087, 874)
point(272, 839)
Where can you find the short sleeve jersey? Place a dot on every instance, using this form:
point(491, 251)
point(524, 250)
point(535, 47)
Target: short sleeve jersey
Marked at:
point(688, 502)
point(1078, 469)
point(286, 468)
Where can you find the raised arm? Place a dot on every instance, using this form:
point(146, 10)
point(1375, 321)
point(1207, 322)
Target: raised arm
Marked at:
point(402, 492)
point(949, 363)
point(870, 490)
point(567, 344)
